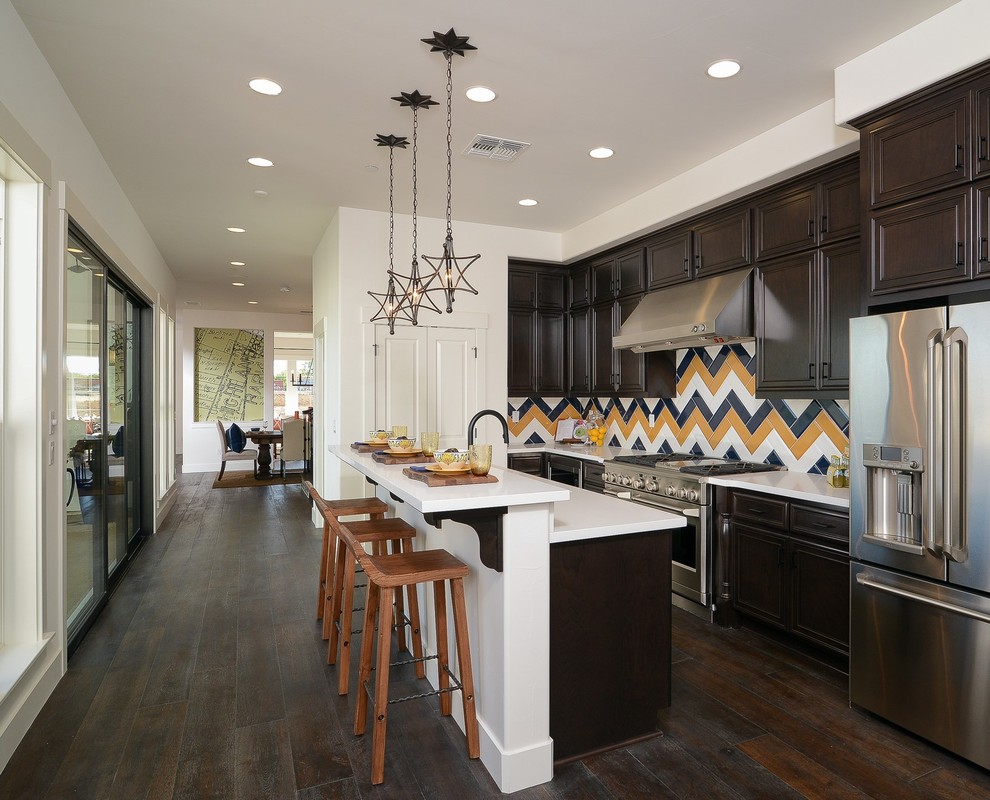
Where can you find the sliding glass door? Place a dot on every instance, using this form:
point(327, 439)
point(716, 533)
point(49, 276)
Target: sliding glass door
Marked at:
point(103, 431)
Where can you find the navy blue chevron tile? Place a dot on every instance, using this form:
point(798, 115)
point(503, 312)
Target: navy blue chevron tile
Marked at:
point(773, 458)
point(820, 467)
point(534, 439)
point(696, 450)
point(731, 453)
point(784, 411)
point(837, 414)
point(638, 444)
point(807, 418)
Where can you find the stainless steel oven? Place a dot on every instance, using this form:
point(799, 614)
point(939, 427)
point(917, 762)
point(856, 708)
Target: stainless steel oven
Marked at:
point(676, 482)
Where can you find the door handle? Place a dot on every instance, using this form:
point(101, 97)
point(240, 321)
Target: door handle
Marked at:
point(811, 229)
point(823, 226)
point(960, 259)
point(864, 580)
point(959, 156)
point(933, 499)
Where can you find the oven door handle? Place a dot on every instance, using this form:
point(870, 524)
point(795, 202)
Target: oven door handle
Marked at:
point(687, 512)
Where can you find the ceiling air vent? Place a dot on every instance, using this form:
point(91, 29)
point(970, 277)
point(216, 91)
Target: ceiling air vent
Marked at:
point(495, 148)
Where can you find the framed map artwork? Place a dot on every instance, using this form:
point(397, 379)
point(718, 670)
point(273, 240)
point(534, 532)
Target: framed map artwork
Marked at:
point(230, 374)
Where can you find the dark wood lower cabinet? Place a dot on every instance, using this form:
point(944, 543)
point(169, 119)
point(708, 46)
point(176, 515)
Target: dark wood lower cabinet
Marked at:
point(530, 463)
point(609, 641)
point(790, 568)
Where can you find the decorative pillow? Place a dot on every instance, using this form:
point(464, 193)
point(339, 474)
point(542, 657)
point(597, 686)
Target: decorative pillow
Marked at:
point(236, 440)
point(117, 443)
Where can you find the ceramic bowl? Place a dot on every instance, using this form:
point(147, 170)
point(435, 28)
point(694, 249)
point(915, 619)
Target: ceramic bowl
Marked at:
point(401, 443)
point(379, 435)
point(451, 458)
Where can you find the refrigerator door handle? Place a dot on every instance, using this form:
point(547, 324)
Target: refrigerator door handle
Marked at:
point(863, 579)
point(932, 495)
point(955, 342)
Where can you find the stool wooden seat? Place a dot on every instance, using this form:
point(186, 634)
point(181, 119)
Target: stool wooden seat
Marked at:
point(349, 554)
point(332, 511)
point(385, 574)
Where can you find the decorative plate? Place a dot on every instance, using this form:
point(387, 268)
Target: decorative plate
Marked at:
point(460, 469)
point(411, 452)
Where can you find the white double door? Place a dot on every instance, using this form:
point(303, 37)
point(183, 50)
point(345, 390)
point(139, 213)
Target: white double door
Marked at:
point(428, 379)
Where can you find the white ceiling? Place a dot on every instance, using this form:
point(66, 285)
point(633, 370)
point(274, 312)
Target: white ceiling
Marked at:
point(162, 86)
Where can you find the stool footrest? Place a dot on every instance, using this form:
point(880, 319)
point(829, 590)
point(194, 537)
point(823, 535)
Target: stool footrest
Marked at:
point(455, 687)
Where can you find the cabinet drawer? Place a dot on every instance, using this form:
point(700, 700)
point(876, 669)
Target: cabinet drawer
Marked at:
point(531, 463)
point(757, 507)
point(818, 522)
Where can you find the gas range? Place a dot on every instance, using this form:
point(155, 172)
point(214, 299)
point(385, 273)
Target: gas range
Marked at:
point(674, 475)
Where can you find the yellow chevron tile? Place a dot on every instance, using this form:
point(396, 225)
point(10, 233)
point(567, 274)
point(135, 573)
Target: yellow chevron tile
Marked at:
point(832, 431)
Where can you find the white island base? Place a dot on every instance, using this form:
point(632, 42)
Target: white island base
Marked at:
point(508, 610)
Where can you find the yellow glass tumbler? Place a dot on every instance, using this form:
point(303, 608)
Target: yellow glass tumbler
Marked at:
point(480, 458)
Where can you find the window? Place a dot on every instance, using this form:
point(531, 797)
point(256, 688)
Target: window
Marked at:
point(292, 373)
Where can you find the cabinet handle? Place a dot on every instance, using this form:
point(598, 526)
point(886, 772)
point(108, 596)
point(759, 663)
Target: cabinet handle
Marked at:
point(826, 371)
point(811, 371)
point(982, 152)
point(823, 227)
point(959, 156)
point(984, 254)
point(755, 510)
point(811, 229)
point(687, 264)
point(781, 557)
point(823, 525)
point(697, 262)
point(959, 254)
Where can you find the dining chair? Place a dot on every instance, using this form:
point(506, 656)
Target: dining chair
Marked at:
point(293, 442)
point(247, 454)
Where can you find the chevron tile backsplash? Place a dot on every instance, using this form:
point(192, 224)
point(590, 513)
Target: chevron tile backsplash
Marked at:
point(714, 413)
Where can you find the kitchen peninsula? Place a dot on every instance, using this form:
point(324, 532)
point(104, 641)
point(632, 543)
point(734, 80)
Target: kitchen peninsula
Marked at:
point(550, 568)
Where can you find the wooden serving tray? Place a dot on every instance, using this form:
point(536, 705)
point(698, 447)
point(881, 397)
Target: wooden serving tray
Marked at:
point(361, 447)
point(432, 479)
point(380, 457)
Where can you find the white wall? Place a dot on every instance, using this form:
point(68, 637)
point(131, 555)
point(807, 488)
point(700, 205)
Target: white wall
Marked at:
point(934, 49)
point(352, 259)
point(199, 443)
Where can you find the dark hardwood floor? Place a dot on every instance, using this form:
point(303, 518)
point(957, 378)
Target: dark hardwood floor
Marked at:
point(206, 677)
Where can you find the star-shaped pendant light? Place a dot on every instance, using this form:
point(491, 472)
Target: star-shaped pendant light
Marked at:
point(413, 286)
point(390, 306)
point(448, 268)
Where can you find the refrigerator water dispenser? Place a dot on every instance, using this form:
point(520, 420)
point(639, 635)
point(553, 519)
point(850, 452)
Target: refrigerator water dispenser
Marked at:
point(894, 492)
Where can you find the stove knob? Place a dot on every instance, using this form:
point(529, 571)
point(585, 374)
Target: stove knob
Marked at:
point(693, 495)
point(637, 483)
point(607, 477)
point(670, 491)
point(682, 494)
point(652, 486)
point(626, 480)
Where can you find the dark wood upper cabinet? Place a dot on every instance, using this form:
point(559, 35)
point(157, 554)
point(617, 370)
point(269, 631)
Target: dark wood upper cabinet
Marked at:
point(522, 352)
point(981, 120)
point(550, 290)
point(787, 222)
point(841, 288)
point(580, 289)
point(919, 149)
point(617, 275)
point(982, 266)
point(786, 324)
point(839, 205)
point(550, 363)
point(579, 356)
point(522, 288)
point(602, 355)
point(923, 243)
point(668, 259)
point(602, 277)
point(630, 367)
point(723, 243)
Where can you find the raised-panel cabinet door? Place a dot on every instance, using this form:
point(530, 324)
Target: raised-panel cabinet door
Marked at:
point(580, 293)
point(522, 352)
point(602, 358)
point(455, 370)
point(920, 149)
point(550, 356)
point(723, 243)
point(982, 266)
point(630, 274)
point(550, 290)
point(787, 222)
point(842, 293)
point(922, 243)
point(630, 366)
point(760, 573)
point(602, 275)
point(818, 573)
point(522, 288)
point(981, 117)
point(401, 380)
point(839, 209)
point(668, 259)
point(579, 356)
point(786, 346)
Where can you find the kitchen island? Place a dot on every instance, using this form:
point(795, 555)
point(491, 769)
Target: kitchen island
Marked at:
point(506, 532)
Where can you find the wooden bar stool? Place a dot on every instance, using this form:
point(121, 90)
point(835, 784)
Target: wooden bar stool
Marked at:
point(340, 612)
point(332, 511)
point(385, 574)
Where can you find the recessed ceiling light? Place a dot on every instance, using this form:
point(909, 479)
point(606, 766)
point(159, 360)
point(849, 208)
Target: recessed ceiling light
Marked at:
point(236, 230)
point(265, 86)
point(260, 193)
point(252, 302)
point(237, 263)
point(601, 152)
point(237, 283)
point(481, 94)
point(528, 201)
point(258, 161)
point(725, 68)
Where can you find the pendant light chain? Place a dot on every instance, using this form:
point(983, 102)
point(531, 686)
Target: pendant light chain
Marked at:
point(414, 199)
point(450, 94)
point(391, 210)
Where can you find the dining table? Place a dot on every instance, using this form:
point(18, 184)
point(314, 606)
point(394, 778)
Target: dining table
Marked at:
point(264, 440)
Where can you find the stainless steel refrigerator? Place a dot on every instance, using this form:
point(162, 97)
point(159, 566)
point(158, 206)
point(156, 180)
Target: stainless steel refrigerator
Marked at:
point(920, 523)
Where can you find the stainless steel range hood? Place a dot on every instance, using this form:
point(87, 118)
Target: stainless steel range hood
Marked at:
point(701, 313)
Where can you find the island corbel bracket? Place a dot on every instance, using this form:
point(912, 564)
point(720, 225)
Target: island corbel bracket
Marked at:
point(487, 523)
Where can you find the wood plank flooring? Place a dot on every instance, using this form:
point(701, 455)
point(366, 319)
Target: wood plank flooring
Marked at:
point(205, 677)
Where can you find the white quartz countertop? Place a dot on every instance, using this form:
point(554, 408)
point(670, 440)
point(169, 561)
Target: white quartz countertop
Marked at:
point(796, 485)
point(584, 452)
point(591, 515)
point(513, 488)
